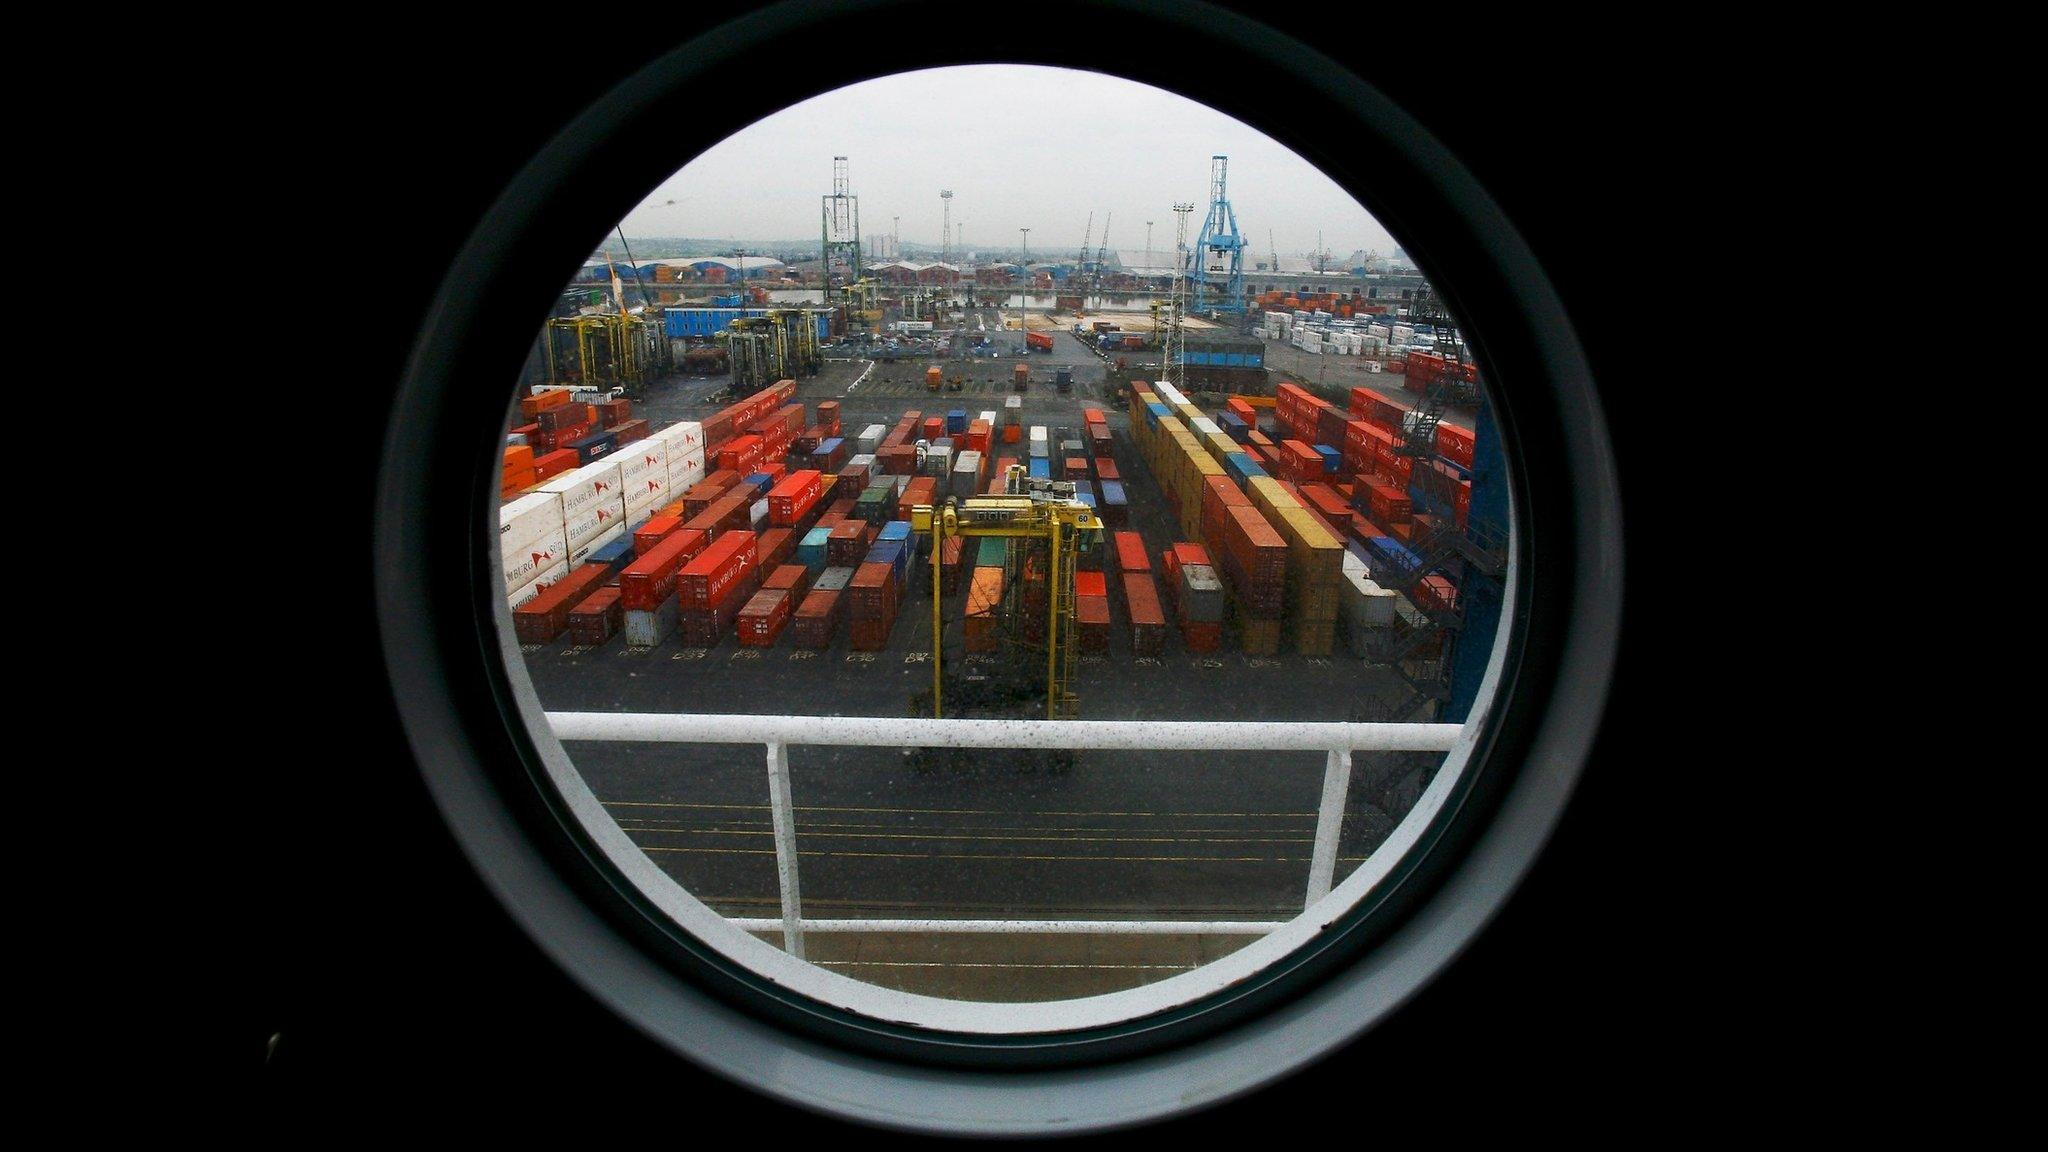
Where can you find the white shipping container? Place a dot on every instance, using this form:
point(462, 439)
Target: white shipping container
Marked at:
point(871, 438)
point(1205, 425)
point(646, 629)
point(578, 555)
point(1366, 604)
point(685, 436)
point(990, 416)
point(528, 519)
point(584, 488)
point(594, 521)
point(1038, 435)
point(685, 469)
point(650, 487)
point(1170, 394)
point(640, 457)
point(539, 584)
point(757, 514)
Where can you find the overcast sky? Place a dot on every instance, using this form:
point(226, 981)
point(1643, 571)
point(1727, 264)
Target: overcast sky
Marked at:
point(1020, 146)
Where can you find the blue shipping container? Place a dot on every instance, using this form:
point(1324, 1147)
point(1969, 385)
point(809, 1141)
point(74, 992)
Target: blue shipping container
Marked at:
point(1240, 467)
point(894, 553)
point(895, 530)
point(592, 446)
point(760, 482)
point(1084, 491)
point(810, 552)
point(1113, 494)
point(1041, 468)
point(1234, 426)
point(1087, 498)
point(1389, 555)
point(1333, 460)
point(827, 447)
point(614, 555)
point(956, 421)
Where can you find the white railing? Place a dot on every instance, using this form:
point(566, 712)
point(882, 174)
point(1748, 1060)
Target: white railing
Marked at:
point(777, 733)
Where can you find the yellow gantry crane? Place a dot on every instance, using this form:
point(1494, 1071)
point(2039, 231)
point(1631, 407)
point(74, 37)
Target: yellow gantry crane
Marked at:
point(1033, 510)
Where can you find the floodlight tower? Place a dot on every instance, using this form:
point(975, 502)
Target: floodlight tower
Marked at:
point(1172, 364)
point(840, 232)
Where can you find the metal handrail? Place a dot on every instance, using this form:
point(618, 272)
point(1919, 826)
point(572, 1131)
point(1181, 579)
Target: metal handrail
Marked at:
point(777, 733)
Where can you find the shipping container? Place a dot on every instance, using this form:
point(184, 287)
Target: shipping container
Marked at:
point(597, 619)
point(542, 400)
point(651, 578)
point(714, 574)
point(1200, 594)
point(545, 617)
point(645, 629)
point(1148, 623)
point(984, 598)
point(816, 618)
point(707, 628)
point(1106, 469)
point(794, 498)
point(763, 618)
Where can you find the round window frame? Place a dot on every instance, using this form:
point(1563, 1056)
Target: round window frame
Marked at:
point(466, 718)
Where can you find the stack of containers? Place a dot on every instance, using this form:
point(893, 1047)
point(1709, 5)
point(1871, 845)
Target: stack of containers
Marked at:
point(1368, 607)
point(1253, 559)
point(1013, 419)
point(647, 587)
point(854, 478)
point(966, 479)
point(643, 478)
point(877, 505)
point(938, 458)
point(765, 614)
point(828, 415)
point(810, 551)
point(518, 474)
point(1197, 595)
point(818, 616)
point(544, 617)
point(873, 593)
point(848, 542)
point(1148, 622)
point(1314, 568)
point(593, 507)
point(981, 433)
point(922, 490)
point(597, 619)
point(713, 587)
point(532, 544)
point(1091, 611)
point(984, 600)
point(950, 557)
point(898, 452)
point(1096, 428)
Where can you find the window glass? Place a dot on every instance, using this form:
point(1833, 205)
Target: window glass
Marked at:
point(891, 341)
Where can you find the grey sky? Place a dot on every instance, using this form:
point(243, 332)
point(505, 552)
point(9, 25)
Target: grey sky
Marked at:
point(1020, 146)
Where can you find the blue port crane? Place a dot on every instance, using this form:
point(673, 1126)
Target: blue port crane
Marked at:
point(1218, 272)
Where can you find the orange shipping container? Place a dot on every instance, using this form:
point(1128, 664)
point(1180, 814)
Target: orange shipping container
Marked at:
point(518, 457)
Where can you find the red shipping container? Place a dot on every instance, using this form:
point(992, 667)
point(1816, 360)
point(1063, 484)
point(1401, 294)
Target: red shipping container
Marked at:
point(1187, 552)
point(705, 629)
point(776, 472)
point(1299, 462)
point(870, 635)
point(792, 578)
point(1436, 593)
point(920, 491)
point(518, 458)
point(838, 510)
point(949, 565)
point(1364, 528)
point(1093, 416)
point(1244, 411)
point(741, 454)
point(1130, 553)
point(1330, 423)
point(613, 413)
point(794, 497)
point(934, 428)
point(828, 415)
point(848, 542)
point(1148, 623)
point(777, 545)
point(564, 416)
point(1455, 443)
point(597, 619)
point(872, 592)
point(1076, 468)
point(1255, 550)
point(707, 581)
point(532, 406)
point(1090, 584)
point(725, 514)
point(1106, 469)
point(1091, 615)
point(541, 619)
point(513, 483)
point(648, 582)
point(816, 619)
point(553, 464)
point(1103, 441)
point(657, 529)
point(1388, 505)
point(1202, 637)
point(1323, 500)
point(763, 618)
